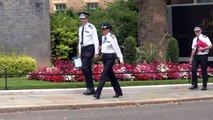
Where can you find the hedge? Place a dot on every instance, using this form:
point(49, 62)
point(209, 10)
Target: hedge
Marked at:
point(16, 64)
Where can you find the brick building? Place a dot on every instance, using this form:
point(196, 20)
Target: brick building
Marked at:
point(57, 5)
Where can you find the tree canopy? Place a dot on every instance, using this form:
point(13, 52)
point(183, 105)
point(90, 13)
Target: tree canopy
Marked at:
point(123, 16)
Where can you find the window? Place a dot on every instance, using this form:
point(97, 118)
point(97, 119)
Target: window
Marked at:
point(60, 7)
point(204, 1)
point(93, 5)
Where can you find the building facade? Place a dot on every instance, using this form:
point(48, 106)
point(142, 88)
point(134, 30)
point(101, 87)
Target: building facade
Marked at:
point(58, 5)
point(190, 1)
point(25, 29)
point(183, 16)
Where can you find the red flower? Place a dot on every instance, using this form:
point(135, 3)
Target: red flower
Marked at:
point(64, 70)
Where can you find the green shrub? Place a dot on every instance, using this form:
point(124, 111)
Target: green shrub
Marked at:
point(64, 35)
point(64, 26)
point(149, 52)
point(172, 50)
point(130, 45)
point(16, 64)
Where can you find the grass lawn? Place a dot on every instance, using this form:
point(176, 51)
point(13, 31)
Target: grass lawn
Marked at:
point(23, 83)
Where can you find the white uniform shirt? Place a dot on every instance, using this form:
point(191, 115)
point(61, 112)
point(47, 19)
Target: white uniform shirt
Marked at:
point(204, 39)
point(110, 45)
point(90, 37)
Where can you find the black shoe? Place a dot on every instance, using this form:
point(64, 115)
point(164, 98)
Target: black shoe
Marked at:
point(89, 92)
point(203, 88)
point(96, 96)
point(117, 95)
point(192, 87)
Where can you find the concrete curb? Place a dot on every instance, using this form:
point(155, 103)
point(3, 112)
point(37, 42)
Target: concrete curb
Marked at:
point(98, 105)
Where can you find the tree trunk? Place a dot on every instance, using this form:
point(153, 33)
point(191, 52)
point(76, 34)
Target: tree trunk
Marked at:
point(152, 25)
point(152, 20)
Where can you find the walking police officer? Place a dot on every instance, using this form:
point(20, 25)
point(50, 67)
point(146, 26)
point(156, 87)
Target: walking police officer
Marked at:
point(88, 46)
point(110, 50)
point(199, 56)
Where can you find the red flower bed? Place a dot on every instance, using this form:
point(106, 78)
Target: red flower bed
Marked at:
point(63, 70)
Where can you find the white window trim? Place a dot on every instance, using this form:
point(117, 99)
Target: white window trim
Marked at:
point(55, 4)
point(90, 3)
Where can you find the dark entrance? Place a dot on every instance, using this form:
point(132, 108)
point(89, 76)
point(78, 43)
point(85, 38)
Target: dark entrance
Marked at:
point(183, 18)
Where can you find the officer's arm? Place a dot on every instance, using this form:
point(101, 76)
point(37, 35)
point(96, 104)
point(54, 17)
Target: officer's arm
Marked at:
point(95, 40)
point(117, 49)
point(79, 45)
point(193, 50)
point(208, 43)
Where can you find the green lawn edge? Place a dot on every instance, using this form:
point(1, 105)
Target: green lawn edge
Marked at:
point(24, 83)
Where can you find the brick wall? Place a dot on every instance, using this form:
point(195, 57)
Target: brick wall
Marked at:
point(78, 4)
point(25, 29)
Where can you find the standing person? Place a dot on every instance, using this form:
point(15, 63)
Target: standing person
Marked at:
point(88, 46)
point(199, 56)
point(110, 50)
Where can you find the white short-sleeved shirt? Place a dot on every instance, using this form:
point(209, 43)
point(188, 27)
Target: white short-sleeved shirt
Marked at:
point(110, 45)
point(90, 37)
point(204, 39)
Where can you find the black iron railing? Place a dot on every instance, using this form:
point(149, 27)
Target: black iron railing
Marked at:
point(5, 74)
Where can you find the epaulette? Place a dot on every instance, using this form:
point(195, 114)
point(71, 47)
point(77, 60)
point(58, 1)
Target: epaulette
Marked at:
point(90, 26)
point(113, 36)
point(204, 36)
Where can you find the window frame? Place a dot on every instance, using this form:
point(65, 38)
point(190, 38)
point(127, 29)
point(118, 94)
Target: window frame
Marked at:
point(204, 1)
point(92, 5)
point(59, 7)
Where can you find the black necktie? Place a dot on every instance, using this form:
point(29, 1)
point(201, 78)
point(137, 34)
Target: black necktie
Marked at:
point(105, 38)
point(197, 46)
point(82, 35)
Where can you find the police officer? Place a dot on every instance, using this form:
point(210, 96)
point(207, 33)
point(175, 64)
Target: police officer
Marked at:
point(110, 50)
point(88, 46)
point(199, 56)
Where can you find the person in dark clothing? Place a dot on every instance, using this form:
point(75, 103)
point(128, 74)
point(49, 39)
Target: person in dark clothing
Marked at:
point(88, 47)
point(199, 56)
point(110, 50)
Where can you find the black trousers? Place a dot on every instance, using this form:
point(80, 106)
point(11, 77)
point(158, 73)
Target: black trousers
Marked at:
point(108, 61)
point(87, 54)
point(201, 60)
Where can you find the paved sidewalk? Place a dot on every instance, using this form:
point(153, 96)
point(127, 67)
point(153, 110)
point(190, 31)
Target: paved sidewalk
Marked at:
point(47, 99)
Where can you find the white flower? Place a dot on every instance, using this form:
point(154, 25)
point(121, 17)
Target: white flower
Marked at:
point(69, 77)
point(28, 75)
point(162, 68)
point(129, 76)
point(183, 74)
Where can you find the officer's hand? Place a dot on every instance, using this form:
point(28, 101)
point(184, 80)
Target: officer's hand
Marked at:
point(190, 61)
point(99, 47)
point(201, 49)
point(96, 55)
